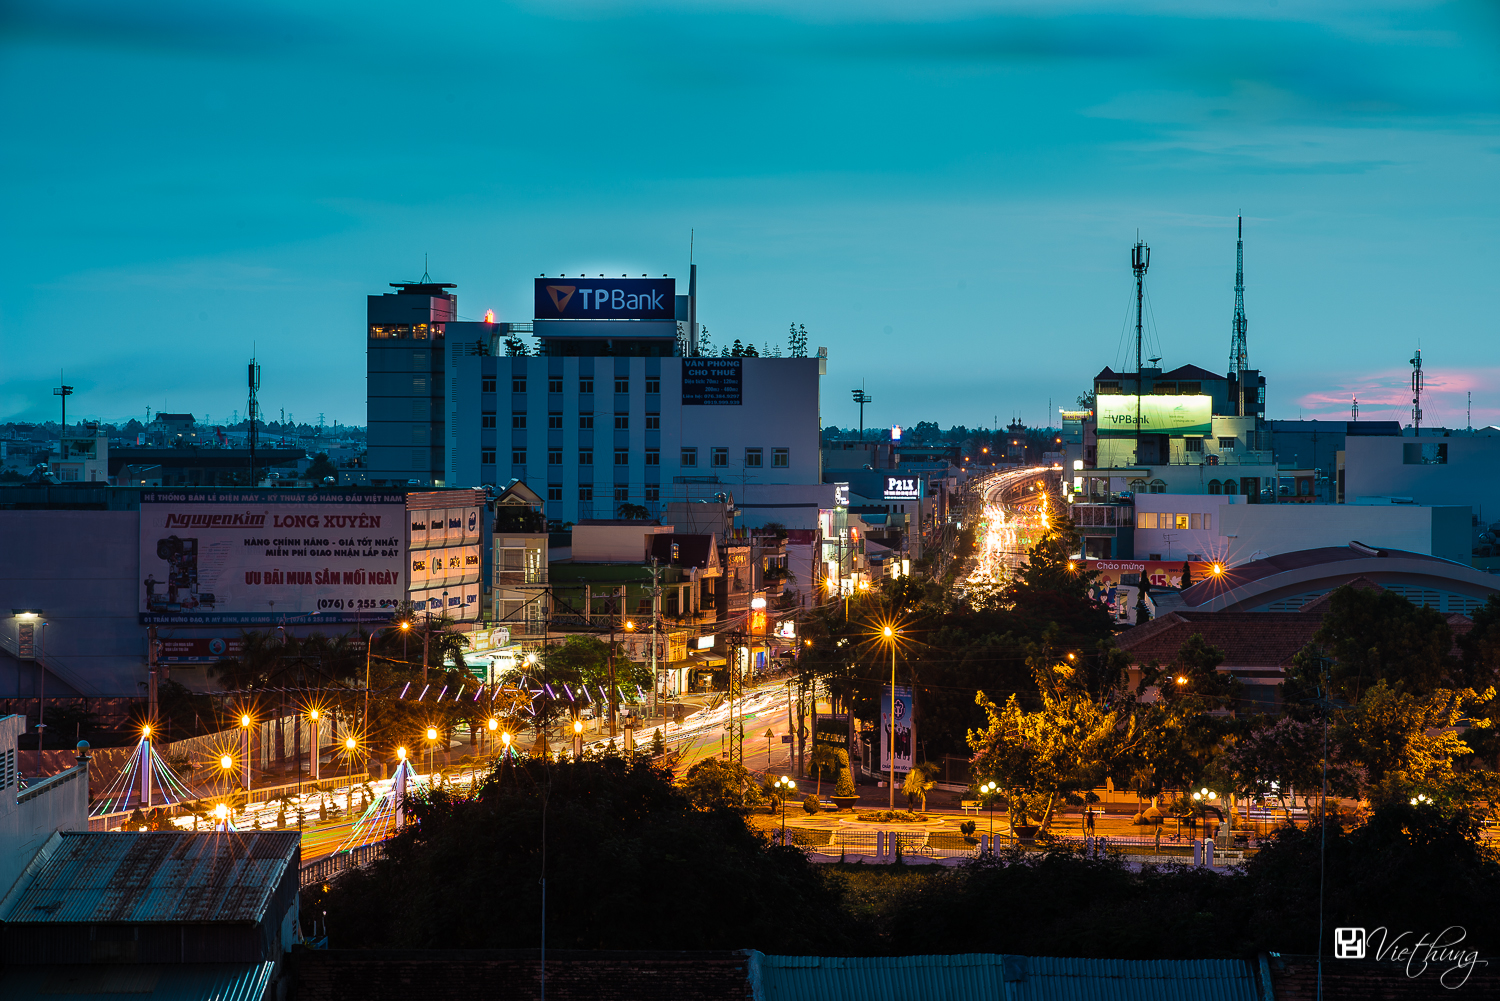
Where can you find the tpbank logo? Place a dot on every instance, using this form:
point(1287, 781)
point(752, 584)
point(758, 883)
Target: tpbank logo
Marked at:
point(560, 295)
point(606, 299)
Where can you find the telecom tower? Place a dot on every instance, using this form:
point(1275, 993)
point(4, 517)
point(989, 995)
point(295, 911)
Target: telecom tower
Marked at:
point(1416, 392)
point(1140, 260)
point(254, 412)
point(1239, 351)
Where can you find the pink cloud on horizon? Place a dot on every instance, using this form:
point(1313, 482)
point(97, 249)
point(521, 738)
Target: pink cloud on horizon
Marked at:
point(1387, 396)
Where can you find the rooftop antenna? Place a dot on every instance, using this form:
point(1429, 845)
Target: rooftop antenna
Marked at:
point(1239, 352)
point(1354, 409)
point(1469, 412)
point(426, 278)
point(1140, 260)
point(254, 411)
point(1416, 392)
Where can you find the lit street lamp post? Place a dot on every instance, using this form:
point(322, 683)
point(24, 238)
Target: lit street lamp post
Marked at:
point(890, 637)
point(988, 791)
point(787, 787)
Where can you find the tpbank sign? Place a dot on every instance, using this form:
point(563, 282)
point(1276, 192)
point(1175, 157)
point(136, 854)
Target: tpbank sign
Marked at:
point(606, 298)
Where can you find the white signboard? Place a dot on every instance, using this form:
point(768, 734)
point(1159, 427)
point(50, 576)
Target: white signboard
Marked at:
point(263, 557)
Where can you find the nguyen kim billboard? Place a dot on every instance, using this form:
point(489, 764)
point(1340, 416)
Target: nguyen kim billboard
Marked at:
point(265, 557)
point(606, 299)
point(1170, 415)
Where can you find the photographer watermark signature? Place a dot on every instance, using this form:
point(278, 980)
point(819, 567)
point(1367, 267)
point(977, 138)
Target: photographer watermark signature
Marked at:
point(1440, 951)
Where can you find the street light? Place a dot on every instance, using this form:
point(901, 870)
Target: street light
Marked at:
point(578, 740)
point(312, 715)
point(245, 724)
point(889, 633)
point(431, 747)
point(787, 786)
point(988, 791)
point(221, 814)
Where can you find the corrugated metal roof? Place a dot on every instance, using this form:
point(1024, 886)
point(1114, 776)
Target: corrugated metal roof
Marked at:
point(158, 876)
point(107, 982)
point(995, 977)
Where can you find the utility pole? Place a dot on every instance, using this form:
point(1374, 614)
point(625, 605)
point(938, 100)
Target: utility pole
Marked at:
point(735, 725)
point(1239, 352)
point(1140, 260)
point(151, 658)
point(655, 633)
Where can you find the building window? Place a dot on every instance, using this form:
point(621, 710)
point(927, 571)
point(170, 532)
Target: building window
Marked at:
point(554, 493)
point(554, 385)
point(653, 386)
point(1181, 521)
point(586, 457)
point(752, 458)
point(653, 422)
point(622, 494)
point(518, 421)
point(1193, 444)
point(586, 385)
point(622, 385)
point(518, 385)
point(781, 458)
point(1227, 444)
point(518, 457)
point(622, 422)
point(554, 457)
point(1145, 519)
point(586, 422)
point(721, 458)
point(486, 385)
point(653, 456)
point(1158, 487)
point(622, 457)
point(689, 458)
point(585, 493)
point(653, 494)
point(554, 422)
point(1230, 488)
point(487, 420)
point(486, 456)
point(1215, 487)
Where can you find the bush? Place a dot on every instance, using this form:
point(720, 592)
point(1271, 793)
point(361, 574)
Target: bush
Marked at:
point(810, 803)
point(845, 785)
point(968, 828)
point(890, 817)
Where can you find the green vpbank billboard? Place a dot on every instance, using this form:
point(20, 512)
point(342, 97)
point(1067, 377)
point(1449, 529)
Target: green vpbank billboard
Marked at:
point(1174, 415)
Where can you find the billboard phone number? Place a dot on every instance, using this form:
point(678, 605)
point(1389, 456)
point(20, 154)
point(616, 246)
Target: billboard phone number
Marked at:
point(358, 603)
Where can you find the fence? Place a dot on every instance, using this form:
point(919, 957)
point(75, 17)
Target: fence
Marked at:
point(325, 869)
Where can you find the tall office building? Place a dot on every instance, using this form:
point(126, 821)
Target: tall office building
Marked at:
point(613, 407)
point(405, 383)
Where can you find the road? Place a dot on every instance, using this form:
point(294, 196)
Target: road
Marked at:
point(1017, 510)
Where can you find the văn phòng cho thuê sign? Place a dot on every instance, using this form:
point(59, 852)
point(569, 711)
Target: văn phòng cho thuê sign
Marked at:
point(263, 557)
point(709, 382)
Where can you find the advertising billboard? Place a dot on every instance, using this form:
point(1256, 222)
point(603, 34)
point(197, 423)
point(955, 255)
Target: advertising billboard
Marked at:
point(1119, 581)
point(904, 487)
point(711, 382)
point(606, 299)
point(905, 732)
point(261, 557)
point(831, 731)
point(1172, 415)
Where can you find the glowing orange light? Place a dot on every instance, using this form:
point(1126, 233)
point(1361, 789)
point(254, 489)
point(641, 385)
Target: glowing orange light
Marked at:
point(489, 316)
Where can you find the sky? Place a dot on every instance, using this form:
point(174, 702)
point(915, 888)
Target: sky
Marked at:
point(944, 194)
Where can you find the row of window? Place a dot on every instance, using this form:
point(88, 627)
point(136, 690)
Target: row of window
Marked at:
point(622, 494)
point(585, 385)
point(1180, 522)
point(719, 457)
point(488, 419)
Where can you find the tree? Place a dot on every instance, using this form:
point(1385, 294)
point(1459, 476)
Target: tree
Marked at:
point(1065, 747)
point(658, 743)
point(845, 785)
point(712, 784)
point(1086, 400)
point(1193, 675)
point(1480, 665)
point(797, 341)
point(1373, 635)
point(1284, 758)
point(705, 345)
point(634, 512)
point(321, 467)
point(1410, 741)
point(824, 758)
point(919, 780)
point(738, 350)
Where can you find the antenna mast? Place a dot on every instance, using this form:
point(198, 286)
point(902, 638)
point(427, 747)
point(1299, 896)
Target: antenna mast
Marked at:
point(1140, 260)
point(1239, 351)
point(1416, 392)
point(254, 382)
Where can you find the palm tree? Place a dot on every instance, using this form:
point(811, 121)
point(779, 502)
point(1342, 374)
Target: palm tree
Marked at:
point(823, 757)
point(919, 780)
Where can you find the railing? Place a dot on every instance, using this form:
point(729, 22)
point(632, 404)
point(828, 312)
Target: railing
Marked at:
point(325, 869)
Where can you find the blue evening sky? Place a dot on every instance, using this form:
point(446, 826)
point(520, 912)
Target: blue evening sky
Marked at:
point(944, 194)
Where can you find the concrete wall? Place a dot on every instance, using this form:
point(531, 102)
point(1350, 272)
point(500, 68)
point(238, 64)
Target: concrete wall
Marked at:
point(82, 569)
point(1470, 477)
point(1238, 532)
point(28, 817)
point(614, 543)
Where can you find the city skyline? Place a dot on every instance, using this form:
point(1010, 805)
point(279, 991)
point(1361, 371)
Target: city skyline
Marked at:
point(965, 178)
